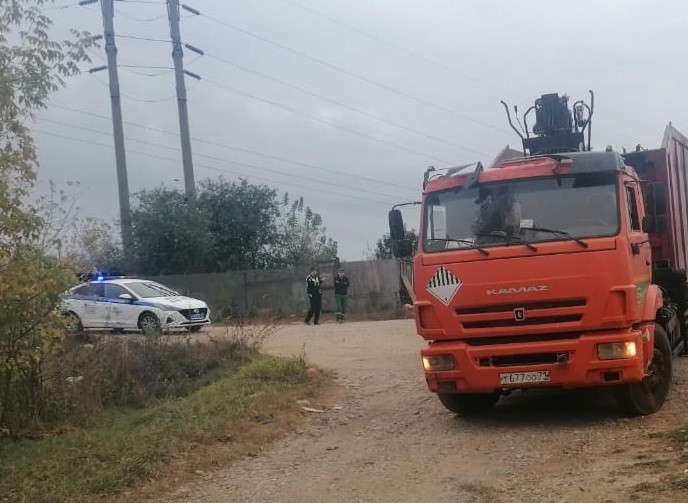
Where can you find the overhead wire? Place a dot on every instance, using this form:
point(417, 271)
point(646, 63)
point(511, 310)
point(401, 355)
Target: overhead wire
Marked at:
point(225, 160)
point(212, 168)
point(340, 104)
point(134, 98)
point(241, 149)
point(327, 122)
point(400, 48)
point(355, 75)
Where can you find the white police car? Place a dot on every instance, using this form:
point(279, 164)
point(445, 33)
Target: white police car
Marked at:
point(131, 304)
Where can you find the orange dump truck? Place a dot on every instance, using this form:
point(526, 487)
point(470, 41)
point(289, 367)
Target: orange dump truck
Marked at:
point(563, 268)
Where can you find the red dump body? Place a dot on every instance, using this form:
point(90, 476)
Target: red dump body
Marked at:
point(667, 165)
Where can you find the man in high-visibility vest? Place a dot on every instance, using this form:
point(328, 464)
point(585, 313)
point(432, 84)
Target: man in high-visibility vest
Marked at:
point(314, 290)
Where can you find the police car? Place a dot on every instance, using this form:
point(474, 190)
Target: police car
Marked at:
point(131, 304)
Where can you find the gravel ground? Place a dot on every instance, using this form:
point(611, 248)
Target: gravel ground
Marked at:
point(388, 439)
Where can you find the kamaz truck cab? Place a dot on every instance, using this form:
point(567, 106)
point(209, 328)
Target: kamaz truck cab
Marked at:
point(550, 270)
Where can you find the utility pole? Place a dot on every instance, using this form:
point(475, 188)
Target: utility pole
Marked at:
point(177, 57)
point(108, 9)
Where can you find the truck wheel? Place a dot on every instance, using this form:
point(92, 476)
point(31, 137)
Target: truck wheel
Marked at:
point(149, 324)
point(468, 404)
point(648, 396)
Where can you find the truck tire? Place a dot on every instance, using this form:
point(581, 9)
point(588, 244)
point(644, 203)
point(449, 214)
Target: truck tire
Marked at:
point(648, 396)
point(468, 404)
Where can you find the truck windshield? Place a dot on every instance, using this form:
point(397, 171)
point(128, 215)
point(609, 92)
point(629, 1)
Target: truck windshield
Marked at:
point(578, 206)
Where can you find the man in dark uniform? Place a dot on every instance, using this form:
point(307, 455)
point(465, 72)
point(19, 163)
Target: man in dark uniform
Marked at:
point(314, 290)
point(341, 289)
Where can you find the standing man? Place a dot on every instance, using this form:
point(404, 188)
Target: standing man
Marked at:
point(314, 290)
point(341, 299)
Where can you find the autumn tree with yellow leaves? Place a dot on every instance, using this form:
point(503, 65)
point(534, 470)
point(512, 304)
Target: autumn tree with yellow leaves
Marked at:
point(32, 64)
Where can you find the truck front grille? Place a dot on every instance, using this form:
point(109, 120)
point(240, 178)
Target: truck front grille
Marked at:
point(521, 360)
point(517, 314)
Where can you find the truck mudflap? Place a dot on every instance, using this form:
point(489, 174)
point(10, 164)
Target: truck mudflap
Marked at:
point(568, 363)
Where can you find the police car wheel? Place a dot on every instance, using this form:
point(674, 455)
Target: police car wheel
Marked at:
point(149, 324)
point(73, 324)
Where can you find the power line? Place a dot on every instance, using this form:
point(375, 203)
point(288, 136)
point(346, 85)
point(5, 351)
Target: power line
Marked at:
point(245, 150)
point(401, 49)
point(142, 20)
point(134, 98)
point(145, 39)
point(355, 75)
point(212, 168)
point(339, 103)
point(325, 121)
point(222, 159)
point(419, 56)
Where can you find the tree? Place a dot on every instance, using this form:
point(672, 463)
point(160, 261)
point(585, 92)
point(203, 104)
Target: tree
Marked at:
point(170, 233)
point(242, 223)
point(301, 237)
point(385, 245)
point(32, 65)
point(97, 246)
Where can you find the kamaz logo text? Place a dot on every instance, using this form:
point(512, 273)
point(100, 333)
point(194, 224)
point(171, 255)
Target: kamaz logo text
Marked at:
point(520, 289)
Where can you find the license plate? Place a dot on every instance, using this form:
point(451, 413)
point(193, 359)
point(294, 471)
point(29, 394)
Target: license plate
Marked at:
point(512, 378)
point(198, 316)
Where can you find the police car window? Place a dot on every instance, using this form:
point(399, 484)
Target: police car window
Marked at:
point(113, 291)
point(98, 289)
point(85, 291)
point(150, 290)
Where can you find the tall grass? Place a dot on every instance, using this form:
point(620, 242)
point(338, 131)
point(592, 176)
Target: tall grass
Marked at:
point(88, 374)
point(125, 446)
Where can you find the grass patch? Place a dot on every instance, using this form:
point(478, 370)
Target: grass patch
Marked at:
point(125, 446)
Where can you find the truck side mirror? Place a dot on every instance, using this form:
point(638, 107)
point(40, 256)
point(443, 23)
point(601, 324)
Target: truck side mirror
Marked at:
point(396, 225)
point(655, 224)
point(656, 196)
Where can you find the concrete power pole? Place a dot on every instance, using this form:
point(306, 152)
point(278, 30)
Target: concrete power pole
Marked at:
point(117, 129)
point(177, 57)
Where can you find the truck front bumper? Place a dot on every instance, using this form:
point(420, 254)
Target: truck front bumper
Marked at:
point(570, 363)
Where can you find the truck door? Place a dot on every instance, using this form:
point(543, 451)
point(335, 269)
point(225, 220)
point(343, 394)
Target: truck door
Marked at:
point(641, 253)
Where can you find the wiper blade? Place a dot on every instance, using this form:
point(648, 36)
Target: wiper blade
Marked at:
point(472, 246)
point(508, 239)
point(560, 233)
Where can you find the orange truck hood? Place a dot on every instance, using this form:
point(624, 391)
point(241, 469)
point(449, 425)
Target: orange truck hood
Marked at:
point(562, 287)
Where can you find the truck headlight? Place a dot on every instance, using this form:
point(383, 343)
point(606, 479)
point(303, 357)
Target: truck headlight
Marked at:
point(434, 363)
point(616, 350)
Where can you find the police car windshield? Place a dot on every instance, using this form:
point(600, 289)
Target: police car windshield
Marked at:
point(150, 290)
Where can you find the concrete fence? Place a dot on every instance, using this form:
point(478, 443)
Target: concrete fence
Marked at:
point(374, 290)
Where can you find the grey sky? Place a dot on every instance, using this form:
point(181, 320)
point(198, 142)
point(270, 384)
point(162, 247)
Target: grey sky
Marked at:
point(628, 52)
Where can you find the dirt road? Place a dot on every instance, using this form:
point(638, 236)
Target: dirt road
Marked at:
point(393, 442)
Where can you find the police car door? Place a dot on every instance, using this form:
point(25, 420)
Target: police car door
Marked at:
point(84, 304)
point(121, 313)
point(94, 307)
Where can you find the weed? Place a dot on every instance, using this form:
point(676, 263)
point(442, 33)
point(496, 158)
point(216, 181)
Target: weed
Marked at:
point(124, 446)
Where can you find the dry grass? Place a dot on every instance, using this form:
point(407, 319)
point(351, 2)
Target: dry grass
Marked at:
point(126, 446)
